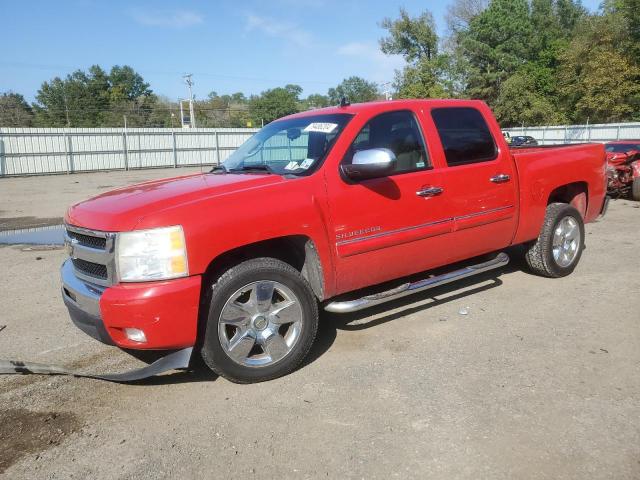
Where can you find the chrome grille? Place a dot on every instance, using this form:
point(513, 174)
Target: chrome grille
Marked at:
point(90, 268)
point(92, 254)
point(87, 240)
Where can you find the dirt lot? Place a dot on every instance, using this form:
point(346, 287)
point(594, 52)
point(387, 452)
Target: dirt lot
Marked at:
point(541, 379)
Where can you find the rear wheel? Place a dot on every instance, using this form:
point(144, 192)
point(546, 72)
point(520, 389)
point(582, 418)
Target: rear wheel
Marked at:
point(263, 319)
point(635, 189)
point(559, 246)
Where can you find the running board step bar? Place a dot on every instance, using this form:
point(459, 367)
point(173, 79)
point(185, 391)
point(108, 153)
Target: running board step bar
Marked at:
point(410, 288)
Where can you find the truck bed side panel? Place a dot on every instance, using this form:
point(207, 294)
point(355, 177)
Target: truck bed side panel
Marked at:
point(542, 170)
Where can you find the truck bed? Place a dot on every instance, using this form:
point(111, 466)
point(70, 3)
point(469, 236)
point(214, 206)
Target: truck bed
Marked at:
point(542, 169)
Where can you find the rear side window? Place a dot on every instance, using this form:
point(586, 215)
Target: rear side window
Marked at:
point(465, 136)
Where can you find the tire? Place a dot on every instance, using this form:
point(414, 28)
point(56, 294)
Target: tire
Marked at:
point(540, 255)
point(252, 304)
point(635, 189)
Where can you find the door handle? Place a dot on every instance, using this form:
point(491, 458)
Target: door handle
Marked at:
point(500, 178)
point(430, 191)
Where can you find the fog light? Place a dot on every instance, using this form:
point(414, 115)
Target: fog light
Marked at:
point(135, 335)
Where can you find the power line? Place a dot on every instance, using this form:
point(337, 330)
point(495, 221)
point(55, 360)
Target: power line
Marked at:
point(26, 65)
point(126, 110)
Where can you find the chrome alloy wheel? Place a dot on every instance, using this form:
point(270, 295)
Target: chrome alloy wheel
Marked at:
point(566, 241)
point(260, 323)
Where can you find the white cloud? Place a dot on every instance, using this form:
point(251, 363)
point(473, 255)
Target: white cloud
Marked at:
point(279, 29)
point(172, 19)
point(369, 54)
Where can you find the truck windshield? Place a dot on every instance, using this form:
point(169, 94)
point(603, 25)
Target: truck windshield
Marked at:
point(295, 146)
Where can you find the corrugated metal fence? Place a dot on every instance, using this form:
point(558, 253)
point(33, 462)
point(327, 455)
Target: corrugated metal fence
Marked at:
point(37, 151)
point(604, 132)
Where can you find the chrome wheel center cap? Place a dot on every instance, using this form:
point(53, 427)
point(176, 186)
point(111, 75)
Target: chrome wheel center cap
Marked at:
point(260, 322)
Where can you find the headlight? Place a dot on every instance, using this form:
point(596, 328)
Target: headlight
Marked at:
point(157, 254)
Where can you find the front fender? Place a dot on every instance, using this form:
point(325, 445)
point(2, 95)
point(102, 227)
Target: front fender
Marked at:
point(218, 225)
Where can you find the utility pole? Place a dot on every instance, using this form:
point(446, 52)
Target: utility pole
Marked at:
point(189, 82)
point(386, 90)
point(66, 106)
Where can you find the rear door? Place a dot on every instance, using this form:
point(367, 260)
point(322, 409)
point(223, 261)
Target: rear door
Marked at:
point(480, 181)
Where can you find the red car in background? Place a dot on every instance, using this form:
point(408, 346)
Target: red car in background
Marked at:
point(623, 168)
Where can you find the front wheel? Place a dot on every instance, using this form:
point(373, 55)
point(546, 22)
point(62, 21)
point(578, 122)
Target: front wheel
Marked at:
point(559, 246)
point(263, 319)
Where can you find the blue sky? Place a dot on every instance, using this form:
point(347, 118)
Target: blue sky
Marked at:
point(229, 46)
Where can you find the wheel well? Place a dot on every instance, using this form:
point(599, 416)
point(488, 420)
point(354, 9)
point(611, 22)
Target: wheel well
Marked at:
point(575, 194)
point(298, 251)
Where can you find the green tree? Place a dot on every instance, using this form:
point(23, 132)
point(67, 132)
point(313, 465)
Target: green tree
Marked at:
point(598, 80)
point(124, 83)
point(95, 99)
point(315, 100)
point(355, 89)
point(274, 103)
point(497, 42)
point(460, 13)
point(75, 101)
point(214, 111)
point(223, 110)
point(521, 102)
point(570, 13)
point(428, 73)
point(413, 38)
point(15, 111)
point(627, 13)
point(423, 79)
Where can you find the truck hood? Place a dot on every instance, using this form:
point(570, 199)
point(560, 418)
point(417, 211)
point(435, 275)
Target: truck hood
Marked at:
point(123, 208)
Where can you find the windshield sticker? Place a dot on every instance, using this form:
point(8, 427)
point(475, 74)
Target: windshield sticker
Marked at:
point(321, 127)
point(292, 166)
point(307, 163)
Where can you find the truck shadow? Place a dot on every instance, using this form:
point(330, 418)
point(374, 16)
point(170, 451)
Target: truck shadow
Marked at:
point(372, 317)
point(330, 323)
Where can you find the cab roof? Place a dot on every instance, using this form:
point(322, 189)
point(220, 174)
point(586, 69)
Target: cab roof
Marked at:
point(385, 105)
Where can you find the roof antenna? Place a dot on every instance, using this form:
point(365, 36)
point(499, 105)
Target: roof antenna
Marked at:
point(344, 101)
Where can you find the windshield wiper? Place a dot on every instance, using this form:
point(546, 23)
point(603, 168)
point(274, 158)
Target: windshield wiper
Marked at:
point(219, 168)
point(251, 168)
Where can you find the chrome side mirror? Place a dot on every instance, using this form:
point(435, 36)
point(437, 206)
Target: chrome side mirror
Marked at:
point(371, 163)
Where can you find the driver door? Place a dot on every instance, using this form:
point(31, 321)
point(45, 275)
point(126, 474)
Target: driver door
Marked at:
point(393, 226)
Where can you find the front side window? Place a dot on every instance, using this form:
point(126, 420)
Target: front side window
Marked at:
point(293, 146)
point(464, 134)
point(398, 132)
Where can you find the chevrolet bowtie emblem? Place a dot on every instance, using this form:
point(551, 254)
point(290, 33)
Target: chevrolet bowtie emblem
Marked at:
point(70, 246)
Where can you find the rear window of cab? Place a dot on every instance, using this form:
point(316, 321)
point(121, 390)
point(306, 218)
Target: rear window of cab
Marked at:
point(464, 135)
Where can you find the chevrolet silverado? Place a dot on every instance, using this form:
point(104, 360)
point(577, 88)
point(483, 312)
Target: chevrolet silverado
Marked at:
point(311, 210)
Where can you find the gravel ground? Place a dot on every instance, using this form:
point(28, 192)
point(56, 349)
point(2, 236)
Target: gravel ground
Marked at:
point(541, 379)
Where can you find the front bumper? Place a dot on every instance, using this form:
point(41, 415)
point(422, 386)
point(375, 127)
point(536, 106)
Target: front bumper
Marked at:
point(167, 311)
point(82, 299)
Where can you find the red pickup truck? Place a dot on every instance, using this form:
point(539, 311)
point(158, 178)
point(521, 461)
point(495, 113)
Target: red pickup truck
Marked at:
point(313, 209)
